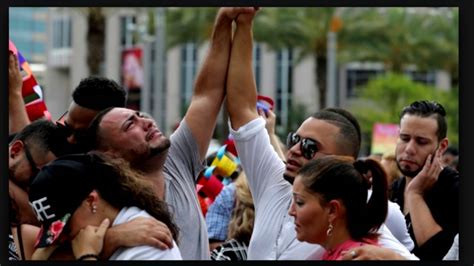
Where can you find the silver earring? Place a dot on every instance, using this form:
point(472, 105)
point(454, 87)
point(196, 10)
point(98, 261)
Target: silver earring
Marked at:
point(329, 231)
point(94, 208)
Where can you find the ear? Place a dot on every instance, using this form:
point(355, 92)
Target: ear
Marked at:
point(443, 146)
point(16, 148)
point(336, 209)
point(92, 198)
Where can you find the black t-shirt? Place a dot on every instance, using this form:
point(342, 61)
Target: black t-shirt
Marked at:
point(443, 201)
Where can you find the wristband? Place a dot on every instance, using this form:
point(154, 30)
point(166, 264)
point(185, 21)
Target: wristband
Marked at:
point(86, 256)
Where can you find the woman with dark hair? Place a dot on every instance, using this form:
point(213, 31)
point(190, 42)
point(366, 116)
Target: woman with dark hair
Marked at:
point(76, 196)
point(330, 203)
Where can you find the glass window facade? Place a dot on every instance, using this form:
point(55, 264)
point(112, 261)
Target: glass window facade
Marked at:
point(62, 32)
point(284, 85)
point(26, 25)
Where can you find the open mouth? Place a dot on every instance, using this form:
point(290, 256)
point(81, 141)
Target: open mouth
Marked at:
point(153, 134)
point(292, 165)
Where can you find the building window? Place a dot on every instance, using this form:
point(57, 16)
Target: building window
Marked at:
point(359, 76)
point(127, 31)
point(188, 72)
point(62, 32)
point(284, 87)
point(425, 77)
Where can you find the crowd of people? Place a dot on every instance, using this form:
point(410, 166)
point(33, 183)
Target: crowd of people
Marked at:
point(104, 183)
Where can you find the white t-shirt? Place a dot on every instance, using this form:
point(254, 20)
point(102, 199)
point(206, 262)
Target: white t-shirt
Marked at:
point(141, 252)
point(395, 221)
point(274, 235)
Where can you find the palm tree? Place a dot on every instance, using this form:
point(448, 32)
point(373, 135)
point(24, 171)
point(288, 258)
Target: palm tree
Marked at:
point(189, 25)
point(95, 39)
point(304, 30)
point(401, 37)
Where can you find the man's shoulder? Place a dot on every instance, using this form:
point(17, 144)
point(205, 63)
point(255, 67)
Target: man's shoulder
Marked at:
point(448, 179)
point(449, 174)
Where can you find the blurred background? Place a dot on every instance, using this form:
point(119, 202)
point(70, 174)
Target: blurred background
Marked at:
point(372, 61)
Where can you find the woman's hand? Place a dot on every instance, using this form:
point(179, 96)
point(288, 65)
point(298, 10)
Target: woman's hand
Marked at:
point(90, 240)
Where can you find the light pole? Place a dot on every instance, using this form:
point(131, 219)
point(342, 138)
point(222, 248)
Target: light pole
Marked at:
point(159, 95)
point(335, 26)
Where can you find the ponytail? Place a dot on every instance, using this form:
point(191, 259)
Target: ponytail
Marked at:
point(376, 208)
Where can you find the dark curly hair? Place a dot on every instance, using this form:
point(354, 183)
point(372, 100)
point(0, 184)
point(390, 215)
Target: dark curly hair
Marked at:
point(98, 93)
point(426, 108)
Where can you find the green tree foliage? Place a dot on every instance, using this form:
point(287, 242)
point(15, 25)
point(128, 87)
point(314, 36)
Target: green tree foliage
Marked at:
point(384, 97)
point(397, 37)
point(296, 115)
point(302, 29)
point(185, 25)
point(400, 38)
point(95, 38)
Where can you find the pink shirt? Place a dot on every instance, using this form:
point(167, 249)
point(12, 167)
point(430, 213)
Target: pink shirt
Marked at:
point(335, 254)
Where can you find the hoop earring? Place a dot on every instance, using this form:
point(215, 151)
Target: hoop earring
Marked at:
point(330, 228)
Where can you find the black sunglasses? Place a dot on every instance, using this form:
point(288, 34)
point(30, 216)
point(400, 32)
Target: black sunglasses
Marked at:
point(308, 146)
point(67, 130)
point(34, 168)
point(63, 126)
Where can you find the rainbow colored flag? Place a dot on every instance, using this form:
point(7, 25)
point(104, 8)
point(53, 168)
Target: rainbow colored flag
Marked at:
point(384, 138)
point(31, 91)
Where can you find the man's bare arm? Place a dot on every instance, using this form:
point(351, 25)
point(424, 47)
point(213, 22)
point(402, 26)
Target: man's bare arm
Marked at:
point(209, 88)
point(17, 116)
point(241, 88)
point(424, 225)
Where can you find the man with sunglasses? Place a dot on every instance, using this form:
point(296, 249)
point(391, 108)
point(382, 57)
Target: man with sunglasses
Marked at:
point(428, 194)
point(329, 131)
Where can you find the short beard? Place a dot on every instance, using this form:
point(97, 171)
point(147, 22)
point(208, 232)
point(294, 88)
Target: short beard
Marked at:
point(22, 184)
point(408, 173)
point(160, 149)
point(288, 178)
point(138, 161)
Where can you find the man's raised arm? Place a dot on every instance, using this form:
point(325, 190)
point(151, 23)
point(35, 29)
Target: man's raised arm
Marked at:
point(241, 88)
point(209, 88)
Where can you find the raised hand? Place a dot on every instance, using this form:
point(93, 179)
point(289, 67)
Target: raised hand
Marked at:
point(15, 81)
point(270, 119)
point(427, 176)
point(246, 17)
point(233, 12)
